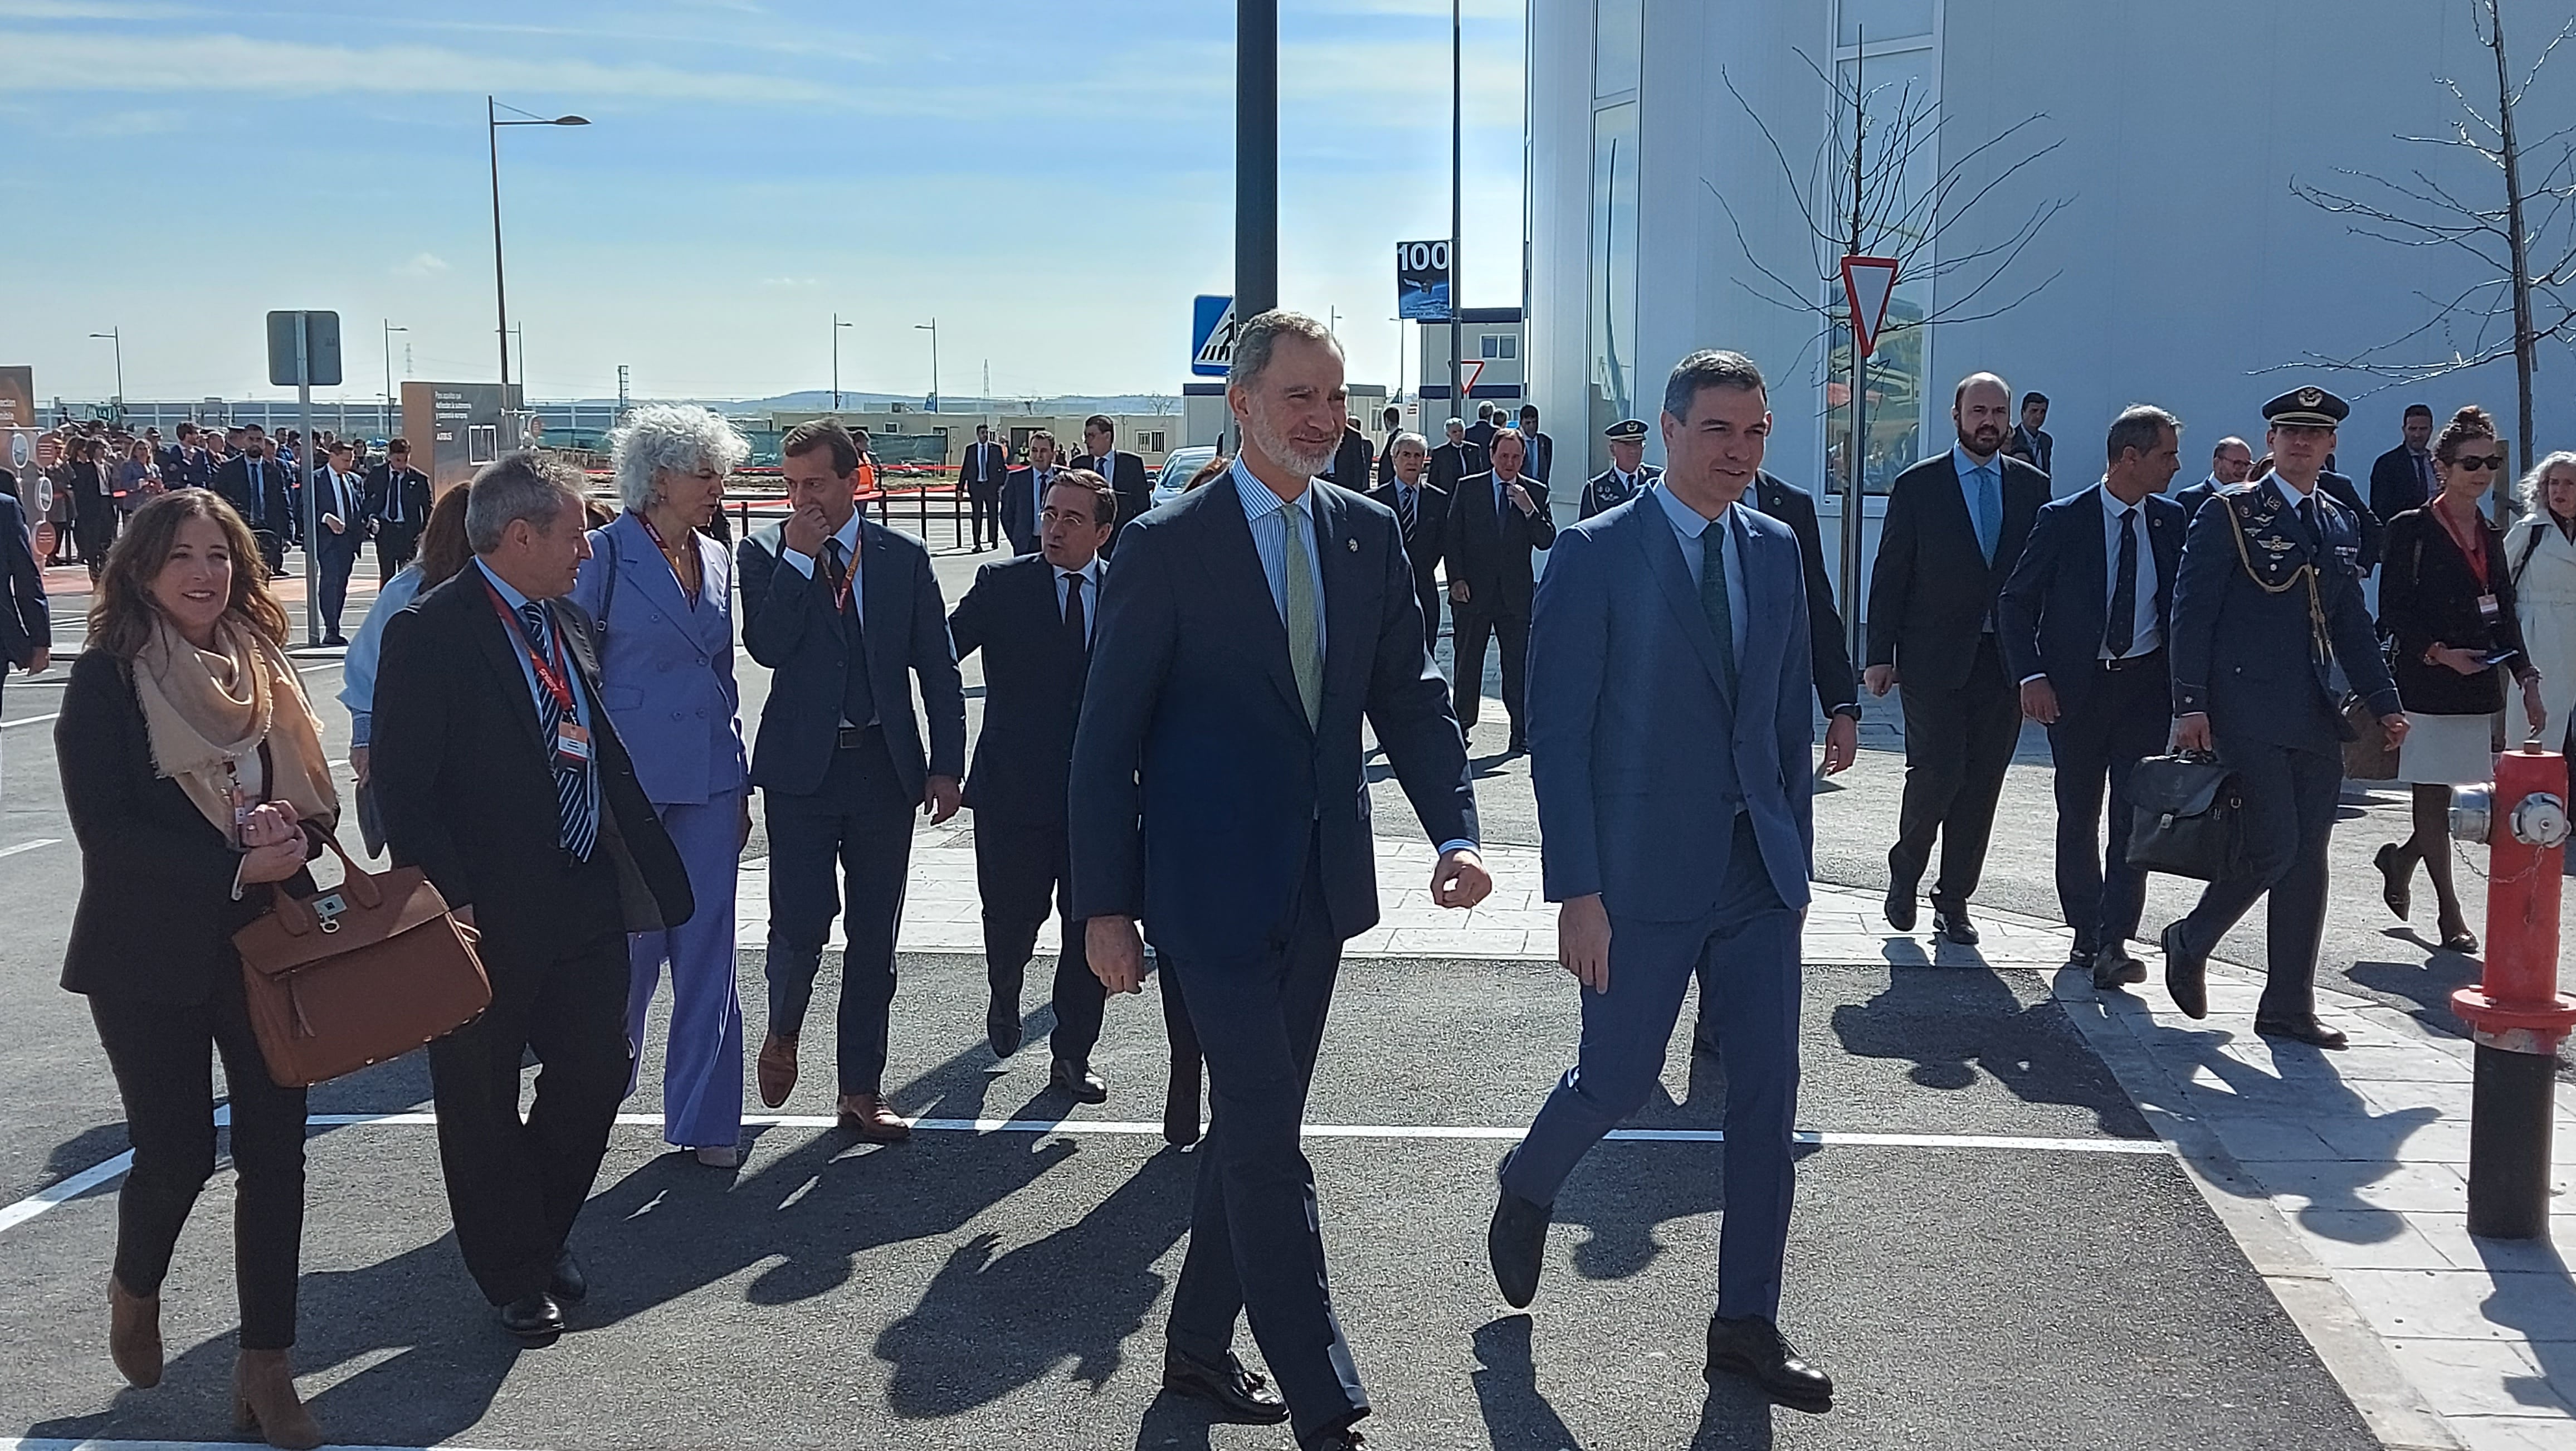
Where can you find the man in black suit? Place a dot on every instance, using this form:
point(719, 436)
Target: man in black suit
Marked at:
point(1542, 447)
point(980, 474)
point(846, 613)
point(1482, 432)
point(1218, 793)
point(339, 530)
point(1455, 459)
point(1393, 420)
point(1351, 461)
point(499, 775)
point(1495, 519)
point(1024, 493)
point(26, 622)
point(260, 490)
point(398, 505)
point(1423, 510)
point(1124, 471)
point(2030, 443)
point(2230, 463)
point(1955, 525)
point(2083, 622)
point(191, 464)
point(2402, 478)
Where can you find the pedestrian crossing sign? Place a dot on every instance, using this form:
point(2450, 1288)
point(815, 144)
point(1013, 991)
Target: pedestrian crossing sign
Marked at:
point(1212, 336)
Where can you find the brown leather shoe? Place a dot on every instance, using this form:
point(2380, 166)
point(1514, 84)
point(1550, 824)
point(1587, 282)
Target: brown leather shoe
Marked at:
point(777, 1068)
point(134, 1334)
point(264, 1400)
point(866, 1115)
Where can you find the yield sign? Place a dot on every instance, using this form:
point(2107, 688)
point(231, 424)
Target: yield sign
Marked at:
point(1868, 282)
point(1474, 368)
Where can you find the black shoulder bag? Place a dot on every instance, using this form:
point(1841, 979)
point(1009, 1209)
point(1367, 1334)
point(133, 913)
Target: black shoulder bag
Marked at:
point(2190, 817)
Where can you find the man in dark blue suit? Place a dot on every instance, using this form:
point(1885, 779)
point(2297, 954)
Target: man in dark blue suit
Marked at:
point(1669, 740)
point(1218, 793)
point(2267, 604)
point(845, 611)
point(2082, 624)
point(26, 622)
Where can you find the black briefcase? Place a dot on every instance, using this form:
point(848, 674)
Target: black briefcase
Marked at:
point(2190, 817)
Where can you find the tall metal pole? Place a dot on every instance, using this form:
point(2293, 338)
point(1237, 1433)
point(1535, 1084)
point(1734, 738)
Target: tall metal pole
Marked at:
point(304, 468)
point(932, 327)
point(1457, 364)
point(390, 330)
point(500, 287)
point(1854, 523)
point(1256, 157)
point(836, 362)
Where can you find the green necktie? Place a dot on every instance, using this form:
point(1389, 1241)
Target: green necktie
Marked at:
point(1305, 651)
point(1712, 597)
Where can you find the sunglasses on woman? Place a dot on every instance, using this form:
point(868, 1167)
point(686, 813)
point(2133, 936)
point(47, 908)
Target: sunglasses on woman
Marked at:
point(2479, 463)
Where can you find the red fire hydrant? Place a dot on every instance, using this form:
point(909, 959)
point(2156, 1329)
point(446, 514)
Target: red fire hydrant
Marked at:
point(2516, 1013)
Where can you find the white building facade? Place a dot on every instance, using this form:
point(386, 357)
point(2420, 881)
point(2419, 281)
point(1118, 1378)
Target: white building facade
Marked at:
point(2182, 270)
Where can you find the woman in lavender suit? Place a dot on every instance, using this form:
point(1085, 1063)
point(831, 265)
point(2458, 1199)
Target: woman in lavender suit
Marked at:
point(662, 592)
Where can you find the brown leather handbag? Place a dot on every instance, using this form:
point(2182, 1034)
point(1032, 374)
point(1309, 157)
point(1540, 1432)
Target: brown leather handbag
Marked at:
point(352, 976)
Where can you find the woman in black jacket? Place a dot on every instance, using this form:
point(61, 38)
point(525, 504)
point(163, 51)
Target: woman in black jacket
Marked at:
point(2446, 605)
point(190, 760)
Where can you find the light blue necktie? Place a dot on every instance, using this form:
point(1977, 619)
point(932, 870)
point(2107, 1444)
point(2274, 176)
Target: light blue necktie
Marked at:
point(1990, 510)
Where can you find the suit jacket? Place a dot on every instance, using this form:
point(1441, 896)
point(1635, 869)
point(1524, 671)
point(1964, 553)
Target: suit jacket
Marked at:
point(666, 669)
point(1638, 756)
point(2371, 525)
point(2244, 648)
point(1601, 492)
point(139, 832)
point(2037, 448)
point(2395, 486)
point(2429, 595)
point(1931, 590)
point(273, 511)
point(1126, 474)
point(26, 621)
point(1033, 678)
point(980, 471)
point(2057, 605)
point(1451, 462)
point(790, 625)
point(1542, 453)
point(1428, 539)
point(465, 784)
point(1829, 654)
point(1489, 547)
point(353, 517)
point(1198, 785)
point(1020, 508)
point(413, 486)
point(1481, 434)
point(1351, 462)
point(188, 469)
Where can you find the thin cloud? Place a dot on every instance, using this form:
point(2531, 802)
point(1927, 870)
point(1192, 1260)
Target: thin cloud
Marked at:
point(90, 10)
point(422, 264)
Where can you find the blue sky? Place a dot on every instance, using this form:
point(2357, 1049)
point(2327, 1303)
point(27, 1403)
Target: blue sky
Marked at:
point(1051, 179)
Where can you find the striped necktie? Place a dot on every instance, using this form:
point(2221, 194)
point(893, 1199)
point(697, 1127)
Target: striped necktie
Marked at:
point(576, 807)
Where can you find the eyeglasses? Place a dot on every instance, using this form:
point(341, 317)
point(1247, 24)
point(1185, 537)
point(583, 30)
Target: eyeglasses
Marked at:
point(2485, 463)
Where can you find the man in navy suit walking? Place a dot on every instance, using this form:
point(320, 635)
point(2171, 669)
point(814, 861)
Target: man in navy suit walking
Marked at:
point(1669, 739)
point(1218, 793)
point(2082, 624)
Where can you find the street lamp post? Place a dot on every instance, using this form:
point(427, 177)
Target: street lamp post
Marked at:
point(492, 123)
point(116, 336)
point(932, 327)
point(837, 325)
point(390, 330)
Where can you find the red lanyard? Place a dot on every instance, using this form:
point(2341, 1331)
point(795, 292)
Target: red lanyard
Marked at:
point(2472, 549)
point(551, 676)
point(849, 576)
point(664, 550)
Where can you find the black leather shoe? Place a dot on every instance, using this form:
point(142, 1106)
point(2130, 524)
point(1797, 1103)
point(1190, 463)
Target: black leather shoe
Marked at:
point(1002, 1020)
point(1900, 907)
point(1340, 1438)
point(1952, 924)
point(2186, 973)
point(1078, 1080)
point(1243, 1395)
point(533, 1317)
point(2113, 966)
point(1754, 1348)
point(1516, 1243)
point(2301, 1030)
point(1181, 1105)
point(566, 1282)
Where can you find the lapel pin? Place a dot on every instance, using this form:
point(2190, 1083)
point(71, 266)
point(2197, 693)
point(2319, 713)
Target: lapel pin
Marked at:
point(1352, 544)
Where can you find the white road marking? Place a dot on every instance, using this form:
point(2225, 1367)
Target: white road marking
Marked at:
point(57, 715)
point(71, 1188)
point(10, 851)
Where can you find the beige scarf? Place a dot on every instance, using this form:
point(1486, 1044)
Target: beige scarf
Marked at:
point(208, 710)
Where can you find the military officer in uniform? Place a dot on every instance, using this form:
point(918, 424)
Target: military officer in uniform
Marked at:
point(2266, 603)
point(1628, 471)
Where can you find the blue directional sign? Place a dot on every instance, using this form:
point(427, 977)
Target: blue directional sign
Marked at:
point(1211, 336)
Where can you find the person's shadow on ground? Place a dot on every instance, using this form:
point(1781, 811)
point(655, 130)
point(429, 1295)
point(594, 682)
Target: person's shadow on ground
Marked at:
point(1954, 1024)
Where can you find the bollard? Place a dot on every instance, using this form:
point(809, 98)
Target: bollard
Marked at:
point(2516, 1014)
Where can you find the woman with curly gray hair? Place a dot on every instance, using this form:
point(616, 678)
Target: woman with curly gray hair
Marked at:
point(662, 592)
point(2540, 549)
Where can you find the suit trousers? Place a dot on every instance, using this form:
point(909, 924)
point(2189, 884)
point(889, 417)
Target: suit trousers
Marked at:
point(272, 549)
point(2290, 801)
point(1019, 867)
point(1957, 744)
point(161, 1054)
point(985, 506)
point(396, 544)
point(1426, 588)
point(1471, 625)
point(94, 531)
point(1256, 1245)
point(559, 985)
point(702, 1067)
point(2124, 719)
point(1748, 947)
point(861, 822)
point(335, 558)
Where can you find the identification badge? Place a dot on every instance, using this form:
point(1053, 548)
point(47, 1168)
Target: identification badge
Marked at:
point(2488, 609)
point(572, 744)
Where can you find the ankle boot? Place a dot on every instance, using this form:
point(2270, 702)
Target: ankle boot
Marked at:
point(264, 1400)
point(134, 1334)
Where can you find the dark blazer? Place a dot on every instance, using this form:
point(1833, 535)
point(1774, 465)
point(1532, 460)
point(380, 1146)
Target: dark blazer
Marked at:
point(980, 471)
point(274, 510)
point(1830, 662)
point(1020, 509)
point(2395, 487)
point(1033, 680)
point(1197, 783)
point(188, 469)
point(1542, 454)
point(1481, 434)
point(1351, 461)
point(2057, 604)
point(2427, 596)
point(1425, 543)
point(139, 833)
point(1126, 474)
point(1489, 547)
point(789, 625)
point(414, 486)
point(1451, 462)
point(1931, 589)
point(2370, 524)
point(2035, 448)
point(26, 622)
point(2243, 644)
point(464, 781)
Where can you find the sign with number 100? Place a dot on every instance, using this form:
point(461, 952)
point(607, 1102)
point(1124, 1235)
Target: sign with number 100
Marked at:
point(1422, 280)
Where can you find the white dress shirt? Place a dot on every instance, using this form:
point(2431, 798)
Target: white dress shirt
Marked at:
point(2115, 517)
